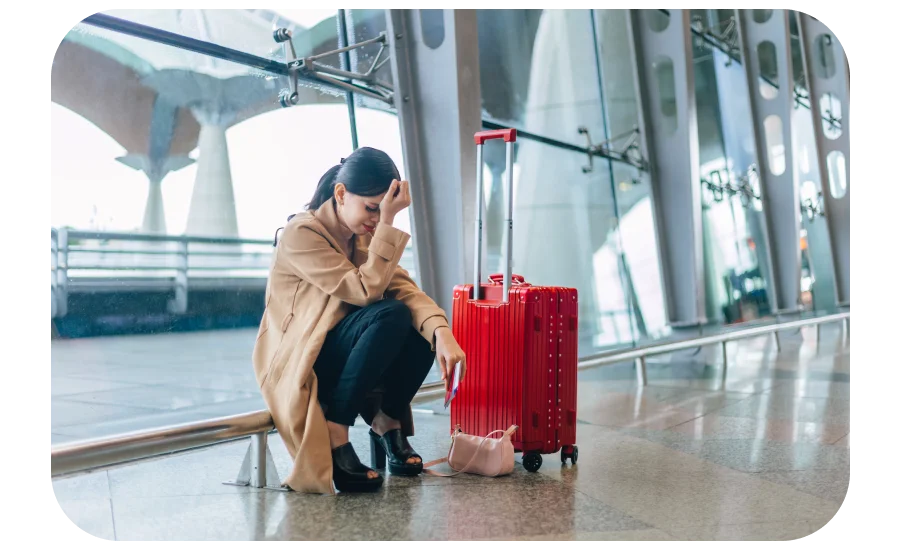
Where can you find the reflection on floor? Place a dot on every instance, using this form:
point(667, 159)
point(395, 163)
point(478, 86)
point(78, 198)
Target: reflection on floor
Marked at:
point(765, 457)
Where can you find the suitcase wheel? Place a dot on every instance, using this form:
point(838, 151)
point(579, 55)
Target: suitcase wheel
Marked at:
point(532, 461)
point(573, 454)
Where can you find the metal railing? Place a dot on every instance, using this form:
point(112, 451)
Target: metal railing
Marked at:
point(258, 468)
point(100, 261)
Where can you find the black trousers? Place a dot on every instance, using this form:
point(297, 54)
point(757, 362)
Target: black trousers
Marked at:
point(374, 345)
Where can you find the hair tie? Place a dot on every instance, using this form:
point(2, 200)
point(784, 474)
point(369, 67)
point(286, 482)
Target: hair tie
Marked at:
point(342, 161)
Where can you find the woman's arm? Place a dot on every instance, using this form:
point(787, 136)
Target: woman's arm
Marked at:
point(427, 315)
point(310, 256)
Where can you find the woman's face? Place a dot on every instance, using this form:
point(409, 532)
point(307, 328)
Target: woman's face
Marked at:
point(360, 214)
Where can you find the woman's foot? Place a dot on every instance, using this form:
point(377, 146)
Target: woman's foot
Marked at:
point(349, 474)
point(383, 424)
point(339, 435)
point(394, 449)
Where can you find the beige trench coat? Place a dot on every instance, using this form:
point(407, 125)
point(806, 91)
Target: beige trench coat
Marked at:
point(320, 272)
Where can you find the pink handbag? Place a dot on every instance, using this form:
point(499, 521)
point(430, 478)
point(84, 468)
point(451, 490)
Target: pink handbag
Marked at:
point(478, 455)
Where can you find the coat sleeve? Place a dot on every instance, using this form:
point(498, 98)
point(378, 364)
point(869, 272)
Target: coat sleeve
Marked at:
point(427, 316)
point(310, 256)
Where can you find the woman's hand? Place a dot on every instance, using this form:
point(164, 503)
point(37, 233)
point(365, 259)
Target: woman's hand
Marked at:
point(395, 200)
point(448, 355)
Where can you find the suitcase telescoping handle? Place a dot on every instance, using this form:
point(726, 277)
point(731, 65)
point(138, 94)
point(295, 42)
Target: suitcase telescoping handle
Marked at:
point(509, 136)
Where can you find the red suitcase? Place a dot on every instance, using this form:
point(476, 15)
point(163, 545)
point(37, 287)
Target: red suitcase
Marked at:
point(521, 348)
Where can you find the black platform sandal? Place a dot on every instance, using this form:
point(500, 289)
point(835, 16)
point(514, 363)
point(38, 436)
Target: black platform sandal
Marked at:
point(394, 447)
point(349, 474)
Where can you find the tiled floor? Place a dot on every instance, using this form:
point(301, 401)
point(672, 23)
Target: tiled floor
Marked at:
point(764, 457)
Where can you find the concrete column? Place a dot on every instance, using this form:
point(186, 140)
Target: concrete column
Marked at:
point(154, 211)
point(212, 211)
point(156, 169)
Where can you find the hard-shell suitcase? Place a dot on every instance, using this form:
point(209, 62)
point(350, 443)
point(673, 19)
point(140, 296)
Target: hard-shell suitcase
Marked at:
point(521, 348)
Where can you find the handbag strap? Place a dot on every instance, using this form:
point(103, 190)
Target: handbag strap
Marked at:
point(426, 467)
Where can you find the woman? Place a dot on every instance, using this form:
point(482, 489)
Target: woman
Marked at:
point(346, 331)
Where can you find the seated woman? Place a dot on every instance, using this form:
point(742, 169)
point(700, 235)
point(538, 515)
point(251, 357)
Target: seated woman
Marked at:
point(342, 319)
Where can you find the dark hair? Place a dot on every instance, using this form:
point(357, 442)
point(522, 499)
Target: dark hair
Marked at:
point(366, 172)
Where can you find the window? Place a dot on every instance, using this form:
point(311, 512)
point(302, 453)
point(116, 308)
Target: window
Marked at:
point(151, 143)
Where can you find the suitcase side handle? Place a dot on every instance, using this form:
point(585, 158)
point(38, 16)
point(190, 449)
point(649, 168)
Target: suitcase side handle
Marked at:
point(509, 136)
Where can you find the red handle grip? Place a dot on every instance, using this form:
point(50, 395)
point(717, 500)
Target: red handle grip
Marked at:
point(507, 135)
point(497, 278)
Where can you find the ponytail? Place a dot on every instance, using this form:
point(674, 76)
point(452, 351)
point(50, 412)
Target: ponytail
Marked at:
point(324, 191)
point(325, 188)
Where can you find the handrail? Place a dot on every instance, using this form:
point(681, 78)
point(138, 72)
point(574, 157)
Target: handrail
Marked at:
point(690, 343)
point(84, 259)
point(99, 453)
point(153, 237)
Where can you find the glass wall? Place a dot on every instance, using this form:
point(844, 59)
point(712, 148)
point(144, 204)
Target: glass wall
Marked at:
point(151, 142)
point(734, 236)
point(579, 223)
point(636, 229)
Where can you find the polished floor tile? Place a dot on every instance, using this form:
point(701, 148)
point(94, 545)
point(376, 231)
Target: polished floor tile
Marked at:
point(756, 455)
point(640, 535)
point(766, 531)
point(237, 516)
point(90, 486)
point(628, 409)
point(798, 409)
point(716, 426)
point(764, 456)
point(813, 388)
point(458, 511)
point(830, 484)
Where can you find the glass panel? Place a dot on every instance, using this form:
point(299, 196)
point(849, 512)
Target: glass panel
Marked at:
point(830, 106)
point(246, 30)
point(640, 264)
point(364, 25)
point(768, 69)
point(837, 174)
point(195, 148)
point(668, 103)
point(538, 72)
point(657, 20)
point(432, 27)
point(761, 16)
point(775, 144)
point(734, 245)
point(636, 230)
point(565, 236)
point(824, 56)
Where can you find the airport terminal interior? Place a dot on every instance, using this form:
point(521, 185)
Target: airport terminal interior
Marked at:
point(686, 171)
